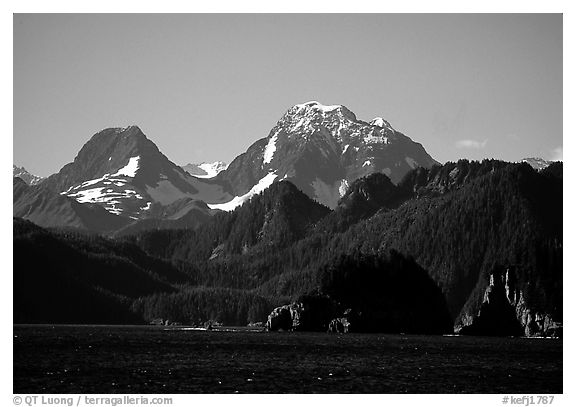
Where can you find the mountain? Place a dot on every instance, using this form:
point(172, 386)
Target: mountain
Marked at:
point(271, 220)
point(486, 217)
point(28, 178)
point(477, 245)
point(322, 150)
point(121, 171)
point(205, 170)
point(126, 173)
point(537, 163)
point(461, 223)
point(365, 197)
point(186, 213)
point(45, 207)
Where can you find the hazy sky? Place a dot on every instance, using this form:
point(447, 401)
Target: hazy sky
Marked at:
point(205, 87)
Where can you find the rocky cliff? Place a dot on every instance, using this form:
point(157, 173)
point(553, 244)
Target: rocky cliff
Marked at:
point(504, 311)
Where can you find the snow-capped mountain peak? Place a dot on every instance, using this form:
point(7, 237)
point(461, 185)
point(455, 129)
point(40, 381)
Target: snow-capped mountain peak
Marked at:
point(316, 110)
point(205, 170)
point(323, 148)
point(314, 105)
point(123, 171)
point(380, 122)
point(537, 163)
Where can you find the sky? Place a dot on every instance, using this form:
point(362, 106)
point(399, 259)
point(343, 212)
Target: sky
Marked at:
point(204, 87)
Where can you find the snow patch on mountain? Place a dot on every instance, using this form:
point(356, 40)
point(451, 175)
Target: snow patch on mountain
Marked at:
point(270, 149)
point(537, 163)
point(380, 122)
point(108, 199)
point(130, 169)
point(318, 106)
point(367, 162)
point(212, 169)
point(107, 179)
point(205, 170)
point(376, 139)
point(88, 195)
point(239, 200)
point(343, 187)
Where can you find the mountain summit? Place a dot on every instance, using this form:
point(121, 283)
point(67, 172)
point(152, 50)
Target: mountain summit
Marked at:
point(121, 171)
point(322, 149)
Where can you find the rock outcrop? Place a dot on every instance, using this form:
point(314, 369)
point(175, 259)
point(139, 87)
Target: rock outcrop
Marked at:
point(339, 325)
point(285, 318)
point(504, 311)
point(310, 313)
point(342, 325)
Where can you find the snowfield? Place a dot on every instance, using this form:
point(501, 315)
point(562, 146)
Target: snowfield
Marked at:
point(270, 149)
point(239, 200)
point(130, 169)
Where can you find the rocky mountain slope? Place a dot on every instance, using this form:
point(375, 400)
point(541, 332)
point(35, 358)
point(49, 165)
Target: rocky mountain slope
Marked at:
point(46, 207)
point(322, 149)
point(537, 163)
point(121, 171)
point(28, 178)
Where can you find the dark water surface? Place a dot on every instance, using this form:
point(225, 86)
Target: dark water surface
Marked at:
point(116, 359)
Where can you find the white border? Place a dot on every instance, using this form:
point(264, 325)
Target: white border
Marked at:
point(246, 6)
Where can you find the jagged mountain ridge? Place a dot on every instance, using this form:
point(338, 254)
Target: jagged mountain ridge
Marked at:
point(537, 163)
point(322, 149)
point(26, 176)
point(146, 176)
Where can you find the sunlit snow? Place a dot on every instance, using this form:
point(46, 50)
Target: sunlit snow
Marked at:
point(270, 149)
point(380, 122)
point(343, 187)
point(239, 200)
point(319, 106)
point(210, 169)
point(130, 169)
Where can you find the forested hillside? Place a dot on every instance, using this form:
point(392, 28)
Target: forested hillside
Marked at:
point(454, 224)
